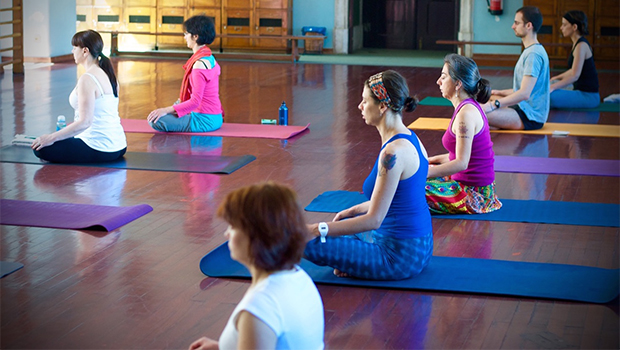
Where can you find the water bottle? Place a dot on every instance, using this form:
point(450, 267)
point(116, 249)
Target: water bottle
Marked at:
point(283, 114)
point(61, 123)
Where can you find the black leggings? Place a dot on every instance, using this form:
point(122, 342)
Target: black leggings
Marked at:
point(74, 150)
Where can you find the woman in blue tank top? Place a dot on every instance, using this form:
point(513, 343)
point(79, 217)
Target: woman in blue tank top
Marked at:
point(388, 237)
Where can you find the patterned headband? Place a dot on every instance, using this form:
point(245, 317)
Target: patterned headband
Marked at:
point(377, 87)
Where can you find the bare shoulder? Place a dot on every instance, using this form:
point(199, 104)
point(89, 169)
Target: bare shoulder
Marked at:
point(202, 64)
point(400, 149)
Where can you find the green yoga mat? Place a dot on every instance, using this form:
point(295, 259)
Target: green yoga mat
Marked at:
point(603, 107)
point(463, 275)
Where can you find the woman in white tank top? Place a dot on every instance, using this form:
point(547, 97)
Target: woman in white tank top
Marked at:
point(96, 135)
point(282, 308)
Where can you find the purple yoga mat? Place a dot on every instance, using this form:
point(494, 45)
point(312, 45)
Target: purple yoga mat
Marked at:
point(67, 215)
point(565, 166)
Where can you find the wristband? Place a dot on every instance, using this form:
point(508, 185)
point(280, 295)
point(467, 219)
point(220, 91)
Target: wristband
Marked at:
point(323, 229)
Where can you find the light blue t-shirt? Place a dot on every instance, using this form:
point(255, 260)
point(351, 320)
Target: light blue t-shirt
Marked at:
point(534, 62)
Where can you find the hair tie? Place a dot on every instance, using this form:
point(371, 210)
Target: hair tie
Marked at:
point(378, 89)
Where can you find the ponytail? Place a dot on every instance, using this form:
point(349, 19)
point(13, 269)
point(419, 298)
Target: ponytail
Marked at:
point(483, 91)
point(106, 65)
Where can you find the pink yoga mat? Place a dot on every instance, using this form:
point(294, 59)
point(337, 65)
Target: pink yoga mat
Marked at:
point(564, 166)
point(228, 129)
point(67, 215)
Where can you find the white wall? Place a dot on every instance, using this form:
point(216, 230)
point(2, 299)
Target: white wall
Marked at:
point(48, 27)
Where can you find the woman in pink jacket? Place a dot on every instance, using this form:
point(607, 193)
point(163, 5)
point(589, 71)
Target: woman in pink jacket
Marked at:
point(198, 108)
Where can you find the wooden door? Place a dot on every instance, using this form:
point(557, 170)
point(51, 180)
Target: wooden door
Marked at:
point(216, 16)
point(436, 20)
point(236, 21)
point(170, 20)
point(84, 18)
point(607, 30)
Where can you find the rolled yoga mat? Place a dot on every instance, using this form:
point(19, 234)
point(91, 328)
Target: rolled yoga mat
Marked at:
point(463, 275)
point(547, 129)
point(513, 210)
point(7, 268)
point(143, 161)
point(603, 107)
point(67, 215)
point(281, 132)
point(564, 166)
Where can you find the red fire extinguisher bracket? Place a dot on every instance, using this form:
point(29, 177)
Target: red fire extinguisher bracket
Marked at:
point(495, 7)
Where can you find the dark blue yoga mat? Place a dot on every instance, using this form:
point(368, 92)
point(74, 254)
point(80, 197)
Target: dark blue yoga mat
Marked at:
point(143, 161)
point(7, 267)
point(463, 275)
point(541, 212)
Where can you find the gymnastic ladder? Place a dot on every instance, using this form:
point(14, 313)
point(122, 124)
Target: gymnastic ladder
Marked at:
point(18, 38)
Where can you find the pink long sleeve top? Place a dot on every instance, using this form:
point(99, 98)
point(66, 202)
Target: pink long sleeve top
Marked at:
point(205, 93)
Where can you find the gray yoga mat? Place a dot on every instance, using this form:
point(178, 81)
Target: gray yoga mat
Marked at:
point(143, 161)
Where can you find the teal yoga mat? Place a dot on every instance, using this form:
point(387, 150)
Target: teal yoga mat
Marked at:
point(603, 107)
point(143, 161)
point(463, 275)
point(435, 101)
point(541, 212)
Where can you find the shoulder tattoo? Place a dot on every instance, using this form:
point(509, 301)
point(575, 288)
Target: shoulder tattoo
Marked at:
point(388, 160)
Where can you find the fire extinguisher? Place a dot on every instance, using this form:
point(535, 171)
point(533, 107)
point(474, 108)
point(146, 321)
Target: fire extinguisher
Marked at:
point(495, 7)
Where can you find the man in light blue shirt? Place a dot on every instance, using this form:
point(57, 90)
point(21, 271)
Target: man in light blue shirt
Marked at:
point(526, 105)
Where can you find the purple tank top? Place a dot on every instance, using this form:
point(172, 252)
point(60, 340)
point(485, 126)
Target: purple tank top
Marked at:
point(480, 171)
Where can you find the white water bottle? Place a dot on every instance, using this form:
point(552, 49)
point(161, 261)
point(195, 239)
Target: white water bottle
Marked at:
point(61, 123)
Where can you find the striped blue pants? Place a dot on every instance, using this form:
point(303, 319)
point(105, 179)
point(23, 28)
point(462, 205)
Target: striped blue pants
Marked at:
point(372, 256)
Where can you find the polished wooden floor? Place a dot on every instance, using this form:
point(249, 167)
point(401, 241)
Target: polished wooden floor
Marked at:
point(140, 287)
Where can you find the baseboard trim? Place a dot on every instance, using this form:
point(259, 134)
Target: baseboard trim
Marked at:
point(55, 59)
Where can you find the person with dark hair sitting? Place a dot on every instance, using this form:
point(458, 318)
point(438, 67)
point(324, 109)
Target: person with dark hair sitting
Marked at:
point(198, 108)
point(526, 105)
point(96, 134)
point(388, 237)
point(582, 73)
point(282, 309)
point(462, 181)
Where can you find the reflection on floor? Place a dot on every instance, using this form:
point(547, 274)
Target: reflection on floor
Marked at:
point(140, 286)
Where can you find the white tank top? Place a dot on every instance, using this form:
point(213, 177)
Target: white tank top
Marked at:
point(106, 133)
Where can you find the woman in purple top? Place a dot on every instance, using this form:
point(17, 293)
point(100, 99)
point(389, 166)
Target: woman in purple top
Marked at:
point(462, 181)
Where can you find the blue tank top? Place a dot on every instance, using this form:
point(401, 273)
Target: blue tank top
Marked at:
point(408, 215)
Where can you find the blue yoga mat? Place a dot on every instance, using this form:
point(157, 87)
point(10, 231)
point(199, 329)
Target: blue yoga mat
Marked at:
point(541, 212)
point(463, 275)
point(143, 161)
point(7, 267)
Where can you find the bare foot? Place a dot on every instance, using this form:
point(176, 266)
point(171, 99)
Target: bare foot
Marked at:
point(340, 273)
